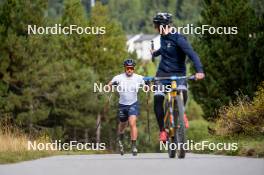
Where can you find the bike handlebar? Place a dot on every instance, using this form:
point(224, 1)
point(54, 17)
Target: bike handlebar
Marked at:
point(192, 77)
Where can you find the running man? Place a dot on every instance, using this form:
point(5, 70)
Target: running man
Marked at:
point(129, 83)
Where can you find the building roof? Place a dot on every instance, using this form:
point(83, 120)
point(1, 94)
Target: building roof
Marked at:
point(130, 36)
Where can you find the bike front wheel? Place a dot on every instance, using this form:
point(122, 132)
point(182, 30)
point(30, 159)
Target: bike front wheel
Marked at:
point(180, 128)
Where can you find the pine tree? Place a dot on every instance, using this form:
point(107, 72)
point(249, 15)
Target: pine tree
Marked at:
point(231, 62)
point(106, 55)
point(44, 85)
point(108, 51)
point(77, 109)
point(21, 57)
point(47, 81)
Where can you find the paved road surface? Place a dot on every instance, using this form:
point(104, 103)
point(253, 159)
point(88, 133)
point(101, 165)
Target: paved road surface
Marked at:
point(143, 164)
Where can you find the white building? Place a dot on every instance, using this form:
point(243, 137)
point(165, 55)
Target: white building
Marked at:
point(141, 44)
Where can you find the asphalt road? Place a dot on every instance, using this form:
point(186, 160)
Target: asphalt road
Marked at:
point(152, 163)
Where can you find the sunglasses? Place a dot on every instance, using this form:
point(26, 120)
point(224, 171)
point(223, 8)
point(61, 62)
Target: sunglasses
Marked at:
point(129, 68)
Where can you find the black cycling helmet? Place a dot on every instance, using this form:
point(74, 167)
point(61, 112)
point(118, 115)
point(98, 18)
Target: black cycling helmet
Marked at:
point(162, 19)
point(129, 62)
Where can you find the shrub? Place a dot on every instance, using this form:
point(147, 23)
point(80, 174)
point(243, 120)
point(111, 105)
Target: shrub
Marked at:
point(243, 116)
point(198, 130)
point(193, 110)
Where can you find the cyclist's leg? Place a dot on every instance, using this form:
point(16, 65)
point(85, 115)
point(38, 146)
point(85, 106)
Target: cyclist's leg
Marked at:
point(159, 96)
point(159, 110)
point(182, 85)
point(158, 105)
point(185, 96)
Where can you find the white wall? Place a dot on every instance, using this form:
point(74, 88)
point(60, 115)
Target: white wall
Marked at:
point(142, 48)
point(130, 43)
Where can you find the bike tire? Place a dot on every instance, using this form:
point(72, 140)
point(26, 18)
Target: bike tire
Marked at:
point(171, 140)
point(171, 152)
point(180, 131)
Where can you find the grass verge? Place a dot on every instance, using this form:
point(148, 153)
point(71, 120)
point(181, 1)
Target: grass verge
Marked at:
point(13, 157)
point(13, 146)
point(250, 146)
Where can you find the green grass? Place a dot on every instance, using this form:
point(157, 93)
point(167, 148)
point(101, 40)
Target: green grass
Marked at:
point(198, 130)
point(251, 146)
point(247, 146)
point(13, 146)
point(13, 157)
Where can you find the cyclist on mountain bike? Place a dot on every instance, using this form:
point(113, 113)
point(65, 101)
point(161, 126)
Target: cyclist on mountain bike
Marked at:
point(128, 103)
point(173, 51)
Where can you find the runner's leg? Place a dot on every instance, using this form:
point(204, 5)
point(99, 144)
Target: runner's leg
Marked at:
point(133, 133)
point(133, 126)
point(121, 127)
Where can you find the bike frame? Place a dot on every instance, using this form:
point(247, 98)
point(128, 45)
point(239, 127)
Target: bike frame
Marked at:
point(171, 99)
point(169, 118)
point(174, 120)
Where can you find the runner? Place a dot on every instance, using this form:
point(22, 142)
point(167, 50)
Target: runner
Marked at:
point(128, 104)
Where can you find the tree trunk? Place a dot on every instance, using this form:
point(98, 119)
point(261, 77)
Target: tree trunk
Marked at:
point(98, 128)
point(74, 134)
point(86, 135)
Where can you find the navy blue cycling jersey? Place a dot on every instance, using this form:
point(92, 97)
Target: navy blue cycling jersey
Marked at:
point(173, 51)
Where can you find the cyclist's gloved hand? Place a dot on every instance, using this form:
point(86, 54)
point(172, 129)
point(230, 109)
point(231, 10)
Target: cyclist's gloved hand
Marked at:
point(199, 75)
point(147, 80)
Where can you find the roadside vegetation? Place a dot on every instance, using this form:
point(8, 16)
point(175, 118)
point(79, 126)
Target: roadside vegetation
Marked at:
point(46, 81)
point(239, 122)
point(14, 145)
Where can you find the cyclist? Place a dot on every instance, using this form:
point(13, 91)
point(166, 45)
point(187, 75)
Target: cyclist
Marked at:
point(173, 51)
point(129, 83)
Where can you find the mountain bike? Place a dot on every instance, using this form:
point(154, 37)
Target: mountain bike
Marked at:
point(174, 115)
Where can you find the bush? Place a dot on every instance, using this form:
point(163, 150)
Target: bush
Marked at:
point(198, 130)
point(193, 109)
point(14, 139)
point(243, 116)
